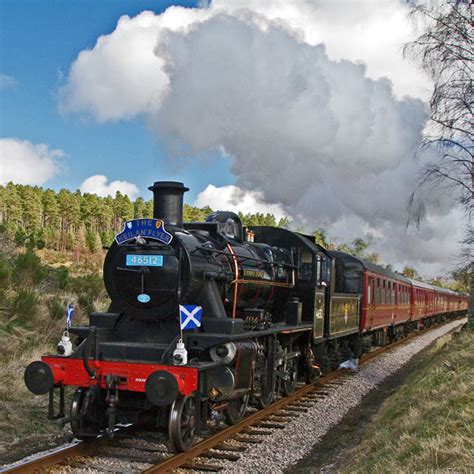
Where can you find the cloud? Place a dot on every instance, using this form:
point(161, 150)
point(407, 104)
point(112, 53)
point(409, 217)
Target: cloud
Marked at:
point(233, 198)
point(7, 81)
point(26, 163)
point(98, 184)
point(280, 89)
point(121, 77)
point(125, 74)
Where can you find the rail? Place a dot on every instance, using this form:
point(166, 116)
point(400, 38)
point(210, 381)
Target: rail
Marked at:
point(293, 402)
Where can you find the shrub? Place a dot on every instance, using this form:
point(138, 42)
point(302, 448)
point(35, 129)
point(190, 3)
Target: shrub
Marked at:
point(88, 288)
point(86, 303)
point(91, 284)
point(62, 277)
point(28, 269)
point(5, 271)
point(56, 308)
point(24, 306)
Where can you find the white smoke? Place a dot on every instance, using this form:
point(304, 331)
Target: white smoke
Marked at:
point(371, 31)
point(308, 128)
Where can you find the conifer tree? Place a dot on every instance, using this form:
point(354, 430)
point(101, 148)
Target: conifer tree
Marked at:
point(51, 216)
point(139, 208)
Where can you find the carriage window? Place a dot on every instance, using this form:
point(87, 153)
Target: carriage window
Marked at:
point(369, 294)
point(383, 292)
point(377, 295)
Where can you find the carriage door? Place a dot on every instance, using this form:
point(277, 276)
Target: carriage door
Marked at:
point(370, 300)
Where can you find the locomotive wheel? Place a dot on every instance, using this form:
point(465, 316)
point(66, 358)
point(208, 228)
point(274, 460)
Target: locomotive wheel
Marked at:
point(289, 385)
point(267, 390)
point(236, 409)
point(83, 427)
point(182, 423)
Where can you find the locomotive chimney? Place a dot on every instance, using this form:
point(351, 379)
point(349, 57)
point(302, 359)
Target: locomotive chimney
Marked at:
point(168, 201)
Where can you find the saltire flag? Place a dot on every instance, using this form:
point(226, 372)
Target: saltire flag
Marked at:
point(190, 316)
point(69, 314)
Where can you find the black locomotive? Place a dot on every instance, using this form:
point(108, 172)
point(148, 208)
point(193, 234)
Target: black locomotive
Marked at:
point(265, 312)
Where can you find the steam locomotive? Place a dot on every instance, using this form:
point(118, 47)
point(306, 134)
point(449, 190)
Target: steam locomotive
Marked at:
point(267, 307)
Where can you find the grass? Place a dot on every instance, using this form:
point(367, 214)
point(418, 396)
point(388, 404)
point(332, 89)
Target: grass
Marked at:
point(33, 298)
point(23, 414)
point(428, 424)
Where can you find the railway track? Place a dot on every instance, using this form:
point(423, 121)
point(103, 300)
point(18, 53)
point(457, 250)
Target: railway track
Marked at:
point(148, 453)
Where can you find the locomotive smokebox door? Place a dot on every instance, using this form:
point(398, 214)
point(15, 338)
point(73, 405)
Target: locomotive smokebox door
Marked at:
point(144, 278)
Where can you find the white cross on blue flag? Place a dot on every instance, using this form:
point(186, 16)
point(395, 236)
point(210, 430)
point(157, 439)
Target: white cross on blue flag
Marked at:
point(190, 316)
point(69, 315)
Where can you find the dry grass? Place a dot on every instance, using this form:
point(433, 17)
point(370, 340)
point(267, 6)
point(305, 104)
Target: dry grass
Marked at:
point(32, 321)
point(428, 424)
point(23, 416)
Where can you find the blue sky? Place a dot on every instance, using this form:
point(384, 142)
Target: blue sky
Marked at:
point(38, 42)
point(321, 121)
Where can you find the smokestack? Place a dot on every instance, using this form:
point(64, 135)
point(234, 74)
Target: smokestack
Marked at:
point(168, 201)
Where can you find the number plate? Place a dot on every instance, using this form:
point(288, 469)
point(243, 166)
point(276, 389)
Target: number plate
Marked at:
point(136, 260)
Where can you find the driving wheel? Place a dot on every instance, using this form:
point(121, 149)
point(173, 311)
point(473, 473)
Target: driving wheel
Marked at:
point(236, 408)
point(289, 385)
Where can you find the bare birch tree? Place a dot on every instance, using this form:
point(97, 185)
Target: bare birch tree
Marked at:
point(444, 50)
